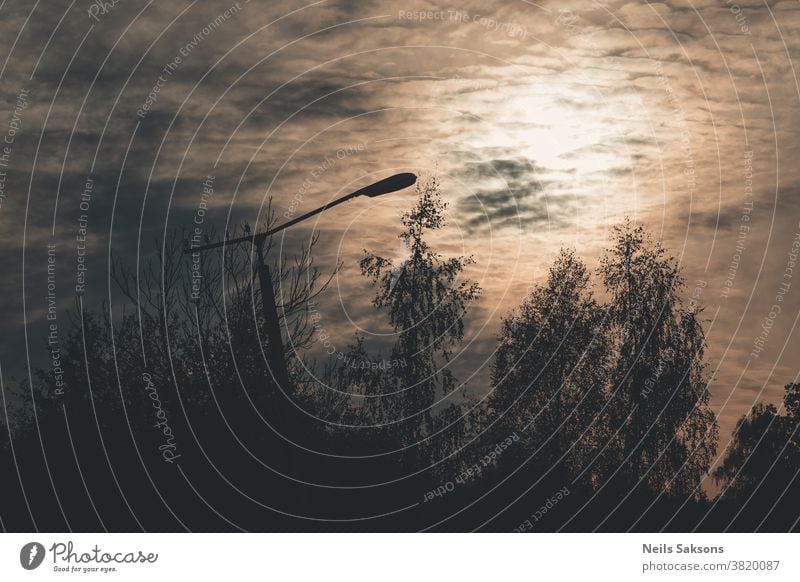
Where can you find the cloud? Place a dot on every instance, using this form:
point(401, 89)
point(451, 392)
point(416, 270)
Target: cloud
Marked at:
point(542, 139)
point(506, 192)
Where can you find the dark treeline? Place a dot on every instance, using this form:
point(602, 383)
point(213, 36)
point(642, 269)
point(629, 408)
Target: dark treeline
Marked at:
point(597, 415)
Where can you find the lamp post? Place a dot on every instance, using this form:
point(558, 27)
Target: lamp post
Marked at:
point(276, 356)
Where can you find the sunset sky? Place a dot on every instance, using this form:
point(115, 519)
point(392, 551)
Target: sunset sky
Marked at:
point(546, 122)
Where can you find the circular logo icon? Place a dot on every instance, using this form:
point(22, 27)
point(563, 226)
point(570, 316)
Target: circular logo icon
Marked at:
point(31, 555)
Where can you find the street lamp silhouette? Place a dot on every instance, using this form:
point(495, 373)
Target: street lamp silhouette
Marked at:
point(276, 359)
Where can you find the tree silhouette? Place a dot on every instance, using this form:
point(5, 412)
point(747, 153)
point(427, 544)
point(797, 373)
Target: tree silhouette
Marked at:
point(610, 400)
point(172, 365)
point(666, 431)
point(597, 400)
point(549, 374)
point(426, 303)
point(758, 477)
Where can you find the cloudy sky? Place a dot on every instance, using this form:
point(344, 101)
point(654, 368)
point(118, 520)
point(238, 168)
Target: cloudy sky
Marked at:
point(547, 123)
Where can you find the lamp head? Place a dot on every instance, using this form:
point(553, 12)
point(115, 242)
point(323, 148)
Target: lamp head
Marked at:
point(387, 185)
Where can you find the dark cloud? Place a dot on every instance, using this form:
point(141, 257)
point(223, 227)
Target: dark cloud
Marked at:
point(518, 200)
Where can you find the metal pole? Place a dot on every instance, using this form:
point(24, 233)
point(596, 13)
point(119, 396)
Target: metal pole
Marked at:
point(277, 361)
point(261, 236)
point(385, 186)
